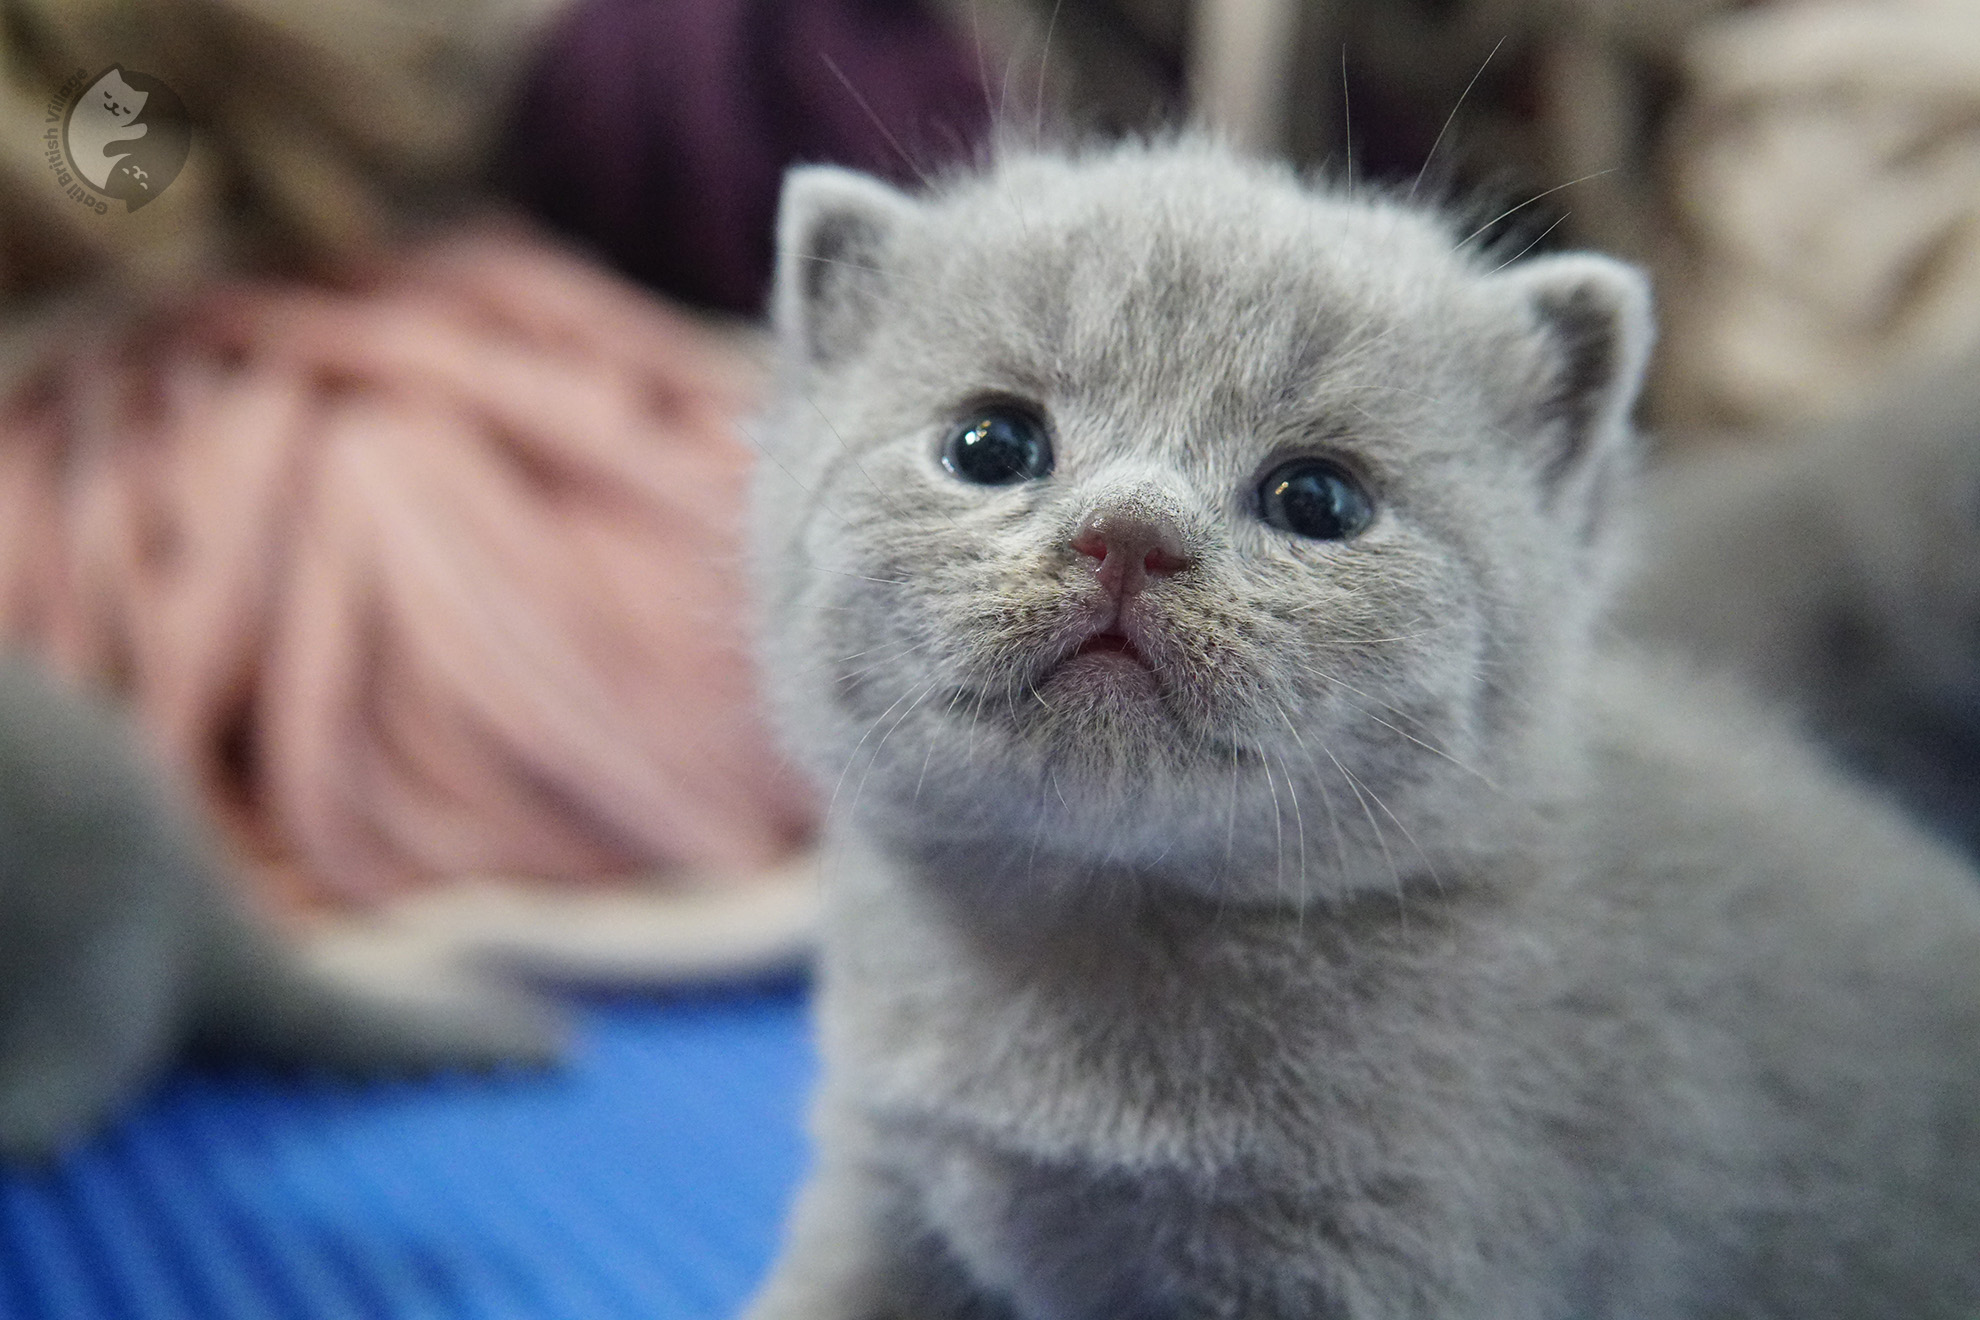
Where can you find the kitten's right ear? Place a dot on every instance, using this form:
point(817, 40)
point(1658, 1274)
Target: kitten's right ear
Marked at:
point(1591, 315)
point(833, 231)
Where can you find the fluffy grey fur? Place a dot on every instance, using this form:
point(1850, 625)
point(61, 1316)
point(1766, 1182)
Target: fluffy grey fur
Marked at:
point(1364, 943)
point(119, 943)
point(1840, 573)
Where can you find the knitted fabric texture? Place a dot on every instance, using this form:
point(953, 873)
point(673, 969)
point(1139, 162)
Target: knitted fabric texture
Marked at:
point(431, 573)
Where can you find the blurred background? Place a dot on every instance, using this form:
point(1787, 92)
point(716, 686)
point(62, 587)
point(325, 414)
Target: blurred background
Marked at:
point(381, 450)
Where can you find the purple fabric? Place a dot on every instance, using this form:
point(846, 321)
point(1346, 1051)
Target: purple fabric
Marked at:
point(658, 131)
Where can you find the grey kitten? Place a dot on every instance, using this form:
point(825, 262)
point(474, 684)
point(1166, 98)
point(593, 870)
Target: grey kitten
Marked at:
point(119, 943)
point(1250, 893)
point(1840, 573)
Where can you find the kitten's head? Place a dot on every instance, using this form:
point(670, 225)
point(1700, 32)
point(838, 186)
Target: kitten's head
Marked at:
point(1151, 509)
point(115, 99)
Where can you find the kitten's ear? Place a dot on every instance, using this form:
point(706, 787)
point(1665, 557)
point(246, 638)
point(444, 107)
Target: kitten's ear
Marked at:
point(833, 231)
point(1593, 318)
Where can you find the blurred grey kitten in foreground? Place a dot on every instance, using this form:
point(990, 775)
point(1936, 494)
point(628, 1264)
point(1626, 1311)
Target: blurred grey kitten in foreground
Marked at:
point(1839, 572)
point(120, 943)
point(1250, 890)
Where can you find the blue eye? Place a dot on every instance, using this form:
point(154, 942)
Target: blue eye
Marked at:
point(1316, 498)
point(998, 445)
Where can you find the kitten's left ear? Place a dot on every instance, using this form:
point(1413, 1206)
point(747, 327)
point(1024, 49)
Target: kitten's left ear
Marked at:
point(834, 229)
point(1592, 315)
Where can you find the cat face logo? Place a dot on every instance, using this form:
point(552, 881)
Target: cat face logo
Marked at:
point(127, 136)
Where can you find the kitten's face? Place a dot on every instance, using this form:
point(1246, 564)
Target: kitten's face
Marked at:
point(117, 99)
point(1153, 512)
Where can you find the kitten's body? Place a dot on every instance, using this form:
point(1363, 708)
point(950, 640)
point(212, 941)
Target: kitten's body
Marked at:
point(1840, 574)
point(120, 944)
point(1341, 937)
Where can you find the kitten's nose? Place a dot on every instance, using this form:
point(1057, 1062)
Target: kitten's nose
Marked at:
point(1131, 549)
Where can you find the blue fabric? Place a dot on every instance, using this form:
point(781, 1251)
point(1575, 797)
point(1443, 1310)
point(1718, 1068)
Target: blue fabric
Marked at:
point(648, 1180)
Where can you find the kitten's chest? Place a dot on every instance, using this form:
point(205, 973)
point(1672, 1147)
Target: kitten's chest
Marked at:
point(1100, 1122)
point(1177, 1039)
point(1073, 1242)
point(1238, 1164)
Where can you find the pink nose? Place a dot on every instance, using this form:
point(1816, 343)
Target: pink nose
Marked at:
point(1131, 549)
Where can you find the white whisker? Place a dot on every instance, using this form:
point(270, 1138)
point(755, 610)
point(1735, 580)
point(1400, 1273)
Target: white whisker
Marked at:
point(1512, 210)
point(878, 123)
point(1449, 119)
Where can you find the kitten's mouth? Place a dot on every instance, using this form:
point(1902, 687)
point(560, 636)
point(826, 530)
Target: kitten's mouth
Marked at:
point(1109, 643)
point(1108, 662)
point(1112, 674)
